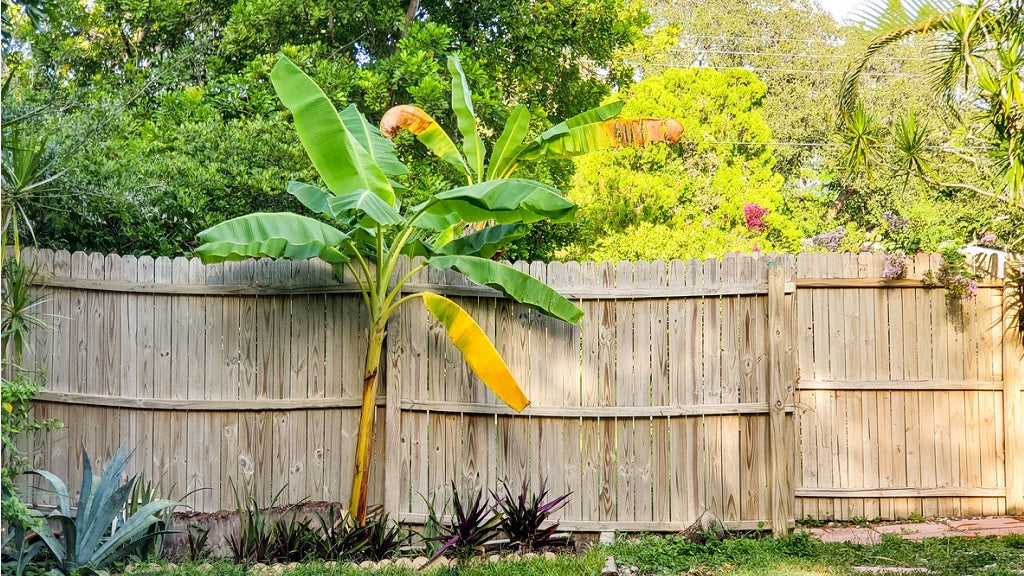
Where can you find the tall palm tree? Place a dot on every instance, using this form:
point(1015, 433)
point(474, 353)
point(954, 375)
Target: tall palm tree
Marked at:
point(976, 62)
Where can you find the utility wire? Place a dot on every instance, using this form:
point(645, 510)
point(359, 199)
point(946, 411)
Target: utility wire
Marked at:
point(765, 39)
point(665, 65)
point(691, 49)
point(836, 145)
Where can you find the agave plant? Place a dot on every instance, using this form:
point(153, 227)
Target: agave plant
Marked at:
point(100, 532)
point(19, 549)
point(371, 230)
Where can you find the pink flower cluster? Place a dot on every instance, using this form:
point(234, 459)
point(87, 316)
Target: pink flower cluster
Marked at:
point(755, 215)
point(987, 240)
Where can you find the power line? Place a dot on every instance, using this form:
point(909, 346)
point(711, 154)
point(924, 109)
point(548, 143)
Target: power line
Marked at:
point(782, 54)
point(933, 148)
point(665, 65)
point(766, 39)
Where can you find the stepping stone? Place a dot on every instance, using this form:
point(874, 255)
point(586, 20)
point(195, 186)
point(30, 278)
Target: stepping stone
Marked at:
point(990, 526)
point(854, 534)
point(919, 530)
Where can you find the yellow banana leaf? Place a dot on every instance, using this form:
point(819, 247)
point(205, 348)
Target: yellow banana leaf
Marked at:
point(477, 349)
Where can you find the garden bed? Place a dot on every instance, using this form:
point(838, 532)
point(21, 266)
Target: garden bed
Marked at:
point(650, 555)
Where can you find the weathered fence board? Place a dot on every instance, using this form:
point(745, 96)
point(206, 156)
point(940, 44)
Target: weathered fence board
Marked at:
point(761, 388)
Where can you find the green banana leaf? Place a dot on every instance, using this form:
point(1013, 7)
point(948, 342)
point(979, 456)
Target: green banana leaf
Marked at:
point(339, 158)
point(279, 235)
point(483, 243)
point(505, 201)
point(323, 202)
point(510, 143)
point(583, 133)
point(521, 287)
point(462, 104)
point(592, 116)
point(380, 149)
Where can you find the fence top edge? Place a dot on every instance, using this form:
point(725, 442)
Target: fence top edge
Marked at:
point(989, 262)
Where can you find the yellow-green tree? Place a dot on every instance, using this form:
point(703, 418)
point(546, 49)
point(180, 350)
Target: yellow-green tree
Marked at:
point(686, 199)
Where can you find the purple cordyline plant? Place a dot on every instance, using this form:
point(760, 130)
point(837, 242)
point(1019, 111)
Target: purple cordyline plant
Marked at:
point(755, 215)
point(895, 266)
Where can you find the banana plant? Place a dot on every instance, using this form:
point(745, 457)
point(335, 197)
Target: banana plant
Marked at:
point(370, 229)
point(595, 129)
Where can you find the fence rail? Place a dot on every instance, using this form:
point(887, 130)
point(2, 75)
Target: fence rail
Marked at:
point(764, 389)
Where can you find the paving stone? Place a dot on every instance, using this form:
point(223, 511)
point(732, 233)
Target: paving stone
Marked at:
point(853, 534)
point(990, 523)
point(919, 530)
point(943, 528)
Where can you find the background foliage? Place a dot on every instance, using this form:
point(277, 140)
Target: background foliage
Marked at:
point(158, 118)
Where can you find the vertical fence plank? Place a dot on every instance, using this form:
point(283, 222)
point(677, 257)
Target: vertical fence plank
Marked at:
point(779, 390)
point(679, 507)
point(712, 385)
point(592, 384)
point(1013, 403)
point(662, 458)
point(640, 395)
point(541, 389)
point(730, 376)
point(65, 353)
point(397, 357)
point(626, 383)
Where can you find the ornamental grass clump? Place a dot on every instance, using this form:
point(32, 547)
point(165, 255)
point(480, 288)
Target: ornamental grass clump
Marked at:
point(468, 528)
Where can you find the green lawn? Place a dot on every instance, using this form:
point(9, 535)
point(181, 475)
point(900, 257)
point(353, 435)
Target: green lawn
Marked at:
point(795, 555)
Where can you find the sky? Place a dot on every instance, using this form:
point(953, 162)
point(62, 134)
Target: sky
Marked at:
point(839, 8)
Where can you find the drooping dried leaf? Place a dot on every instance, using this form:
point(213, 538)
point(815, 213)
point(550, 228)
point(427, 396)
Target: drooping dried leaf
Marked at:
point(405, 117)
point(642, 131)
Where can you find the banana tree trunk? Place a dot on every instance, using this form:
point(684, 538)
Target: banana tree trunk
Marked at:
point(364, 443)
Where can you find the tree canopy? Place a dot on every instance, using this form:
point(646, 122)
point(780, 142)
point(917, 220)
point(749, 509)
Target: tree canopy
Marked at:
point(164, 121)
point(140, 123)
point(688, 199)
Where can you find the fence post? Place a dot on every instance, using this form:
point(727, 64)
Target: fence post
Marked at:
point(780, 387)
point(1013, 379)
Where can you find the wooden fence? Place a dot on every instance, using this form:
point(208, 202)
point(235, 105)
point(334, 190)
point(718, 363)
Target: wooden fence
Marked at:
point(763, 389)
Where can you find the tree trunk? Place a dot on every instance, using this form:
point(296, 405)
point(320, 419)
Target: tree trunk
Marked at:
point(364, 443)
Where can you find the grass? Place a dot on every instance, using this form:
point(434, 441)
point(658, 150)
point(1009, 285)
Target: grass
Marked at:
point(796, 555)
point(800, 555)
